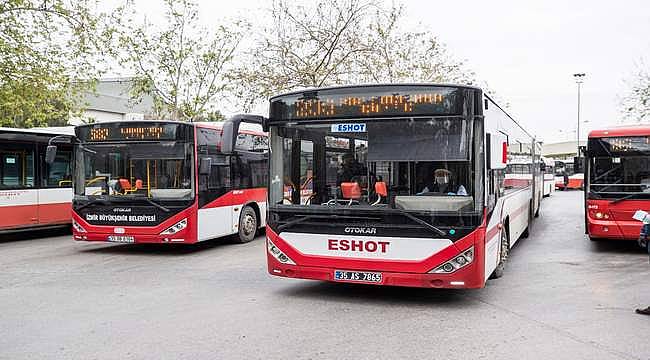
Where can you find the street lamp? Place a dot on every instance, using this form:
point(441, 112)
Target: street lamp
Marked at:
point(579, 78)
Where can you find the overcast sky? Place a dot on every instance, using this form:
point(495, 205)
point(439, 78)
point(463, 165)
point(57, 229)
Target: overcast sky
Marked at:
point(526, 51)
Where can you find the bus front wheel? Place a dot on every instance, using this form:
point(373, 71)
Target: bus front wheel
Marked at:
point(504, 251)
point(247, 225)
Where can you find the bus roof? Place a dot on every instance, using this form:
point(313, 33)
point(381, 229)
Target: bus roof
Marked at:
point(371, 86)
point(625, 130)
point(244, 127)
point(55, 130)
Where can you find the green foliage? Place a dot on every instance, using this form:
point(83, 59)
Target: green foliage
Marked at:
point(183, 66)
point(43, 46)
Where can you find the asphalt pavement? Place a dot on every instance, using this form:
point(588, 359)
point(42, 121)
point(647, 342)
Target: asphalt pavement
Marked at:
point(562, 297)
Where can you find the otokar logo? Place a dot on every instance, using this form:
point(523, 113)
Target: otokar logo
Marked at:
point(361, 230)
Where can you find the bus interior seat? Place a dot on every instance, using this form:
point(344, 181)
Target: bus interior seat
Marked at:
point(381, 190)
point(351, 191)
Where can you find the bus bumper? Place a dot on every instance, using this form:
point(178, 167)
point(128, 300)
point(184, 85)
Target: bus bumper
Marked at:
point(614, 230)
point(466, 278)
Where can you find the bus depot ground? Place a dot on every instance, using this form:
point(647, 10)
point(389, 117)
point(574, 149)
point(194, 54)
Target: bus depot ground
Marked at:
point(562, 297)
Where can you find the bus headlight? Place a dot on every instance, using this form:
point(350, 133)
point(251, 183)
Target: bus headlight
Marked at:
point(456, 263)
point(278, 254)
point(175, 228)
point(77, 227)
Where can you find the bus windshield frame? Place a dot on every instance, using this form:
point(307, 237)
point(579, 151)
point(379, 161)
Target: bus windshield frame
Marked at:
point(619, 167)
point(136, 166)
point(331, 142)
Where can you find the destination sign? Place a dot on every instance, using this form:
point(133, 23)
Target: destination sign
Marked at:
point(128, 132)
point(368, 102)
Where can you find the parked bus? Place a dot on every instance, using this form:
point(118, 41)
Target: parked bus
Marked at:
point(34, 194)
point(549, 176)
point(521, 172)
point(617, 181)
point(566, 176)
point(169, 182)
point(407, 185)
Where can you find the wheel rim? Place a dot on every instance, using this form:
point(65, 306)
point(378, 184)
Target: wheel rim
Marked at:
point(248, 224)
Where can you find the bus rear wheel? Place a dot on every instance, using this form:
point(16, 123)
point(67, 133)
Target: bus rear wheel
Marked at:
point(247, 225)
point(504, 252)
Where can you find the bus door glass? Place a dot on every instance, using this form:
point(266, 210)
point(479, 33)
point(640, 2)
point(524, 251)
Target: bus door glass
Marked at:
point(19, 200)
point(55, 191)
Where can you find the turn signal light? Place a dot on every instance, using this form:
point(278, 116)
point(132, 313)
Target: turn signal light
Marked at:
point(175, 228)
point(278, 254)
point(77, 227)
point(456, 263)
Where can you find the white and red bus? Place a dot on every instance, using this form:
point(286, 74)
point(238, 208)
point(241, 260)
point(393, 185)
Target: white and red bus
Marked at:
point(566, 176)
point(549, 175)
point(617, 181)
point(407, 185)
point(169, 182)
point(34, 194)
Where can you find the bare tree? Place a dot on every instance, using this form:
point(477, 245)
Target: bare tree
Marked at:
point(399, 55)
point(342, 41)
point(636, 104)
point(184, 68)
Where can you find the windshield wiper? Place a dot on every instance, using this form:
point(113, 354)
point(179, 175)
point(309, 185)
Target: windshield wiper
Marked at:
point(92, 201)
point(154, 203)
point(144, 198)
point(295, 221)
point(420, 221)
point(626, 197)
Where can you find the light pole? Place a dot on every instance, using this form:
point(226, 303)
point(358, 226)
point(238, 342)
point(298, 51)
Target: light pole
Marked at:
point(579, 78)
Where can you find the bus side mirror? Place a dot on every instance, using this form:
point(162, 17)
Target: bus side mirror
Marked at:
point(231, 130)
point(229, 137)
point(542, 167)
point(205, 165)
point(50, 154)
point(497, 151)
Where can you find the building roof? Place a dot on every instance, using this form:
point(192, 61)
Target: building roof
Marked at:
point(113, 96)
point(561, 148)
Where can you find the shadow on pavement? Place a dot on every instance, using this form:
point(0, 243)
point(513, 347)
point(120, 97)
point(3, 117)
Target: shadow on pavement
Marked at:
point(617, 247)
point(371, 294)
point(161, 249)
point(35, 234)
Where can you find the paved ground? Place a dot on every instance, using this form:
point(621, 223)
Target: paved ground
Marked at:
point(562, 297)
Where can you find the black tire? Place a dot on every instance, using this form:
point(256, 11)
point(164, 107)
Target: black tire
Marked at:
point(247, 225)
point(504, 252)
point(539, 206)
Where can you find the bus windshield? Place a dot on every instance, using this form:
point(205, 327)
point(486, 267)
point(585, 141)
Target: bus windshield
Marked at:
point(160, 170)
point(412, 164)
point(620, 166)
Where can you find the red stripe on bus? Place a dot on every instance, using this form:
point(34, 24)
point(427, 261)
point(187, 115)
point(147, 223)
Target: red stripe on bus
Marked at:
point(20, 216)
point(238, 197)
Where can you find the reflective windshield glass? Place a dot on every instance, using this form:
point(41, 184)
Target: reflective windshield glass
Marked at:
point(620, 166)
point(408, 164)
point(161, 170)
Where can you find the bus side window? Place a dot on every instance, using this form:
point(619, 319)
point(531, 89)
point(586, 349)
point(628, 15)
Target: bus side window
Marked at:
point(59, 173)
point(17, 168)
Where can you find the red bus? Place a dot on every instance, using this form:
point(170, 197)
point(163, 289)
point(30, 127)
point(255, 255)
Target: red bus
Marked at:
point(169, 182)
point(617, 181)
point(396, 185)
point(33, 193)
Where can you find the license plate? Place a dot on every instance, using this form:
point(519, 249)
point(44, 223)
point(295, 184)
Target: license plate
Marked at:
point(121, 238)
point(362, 276)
